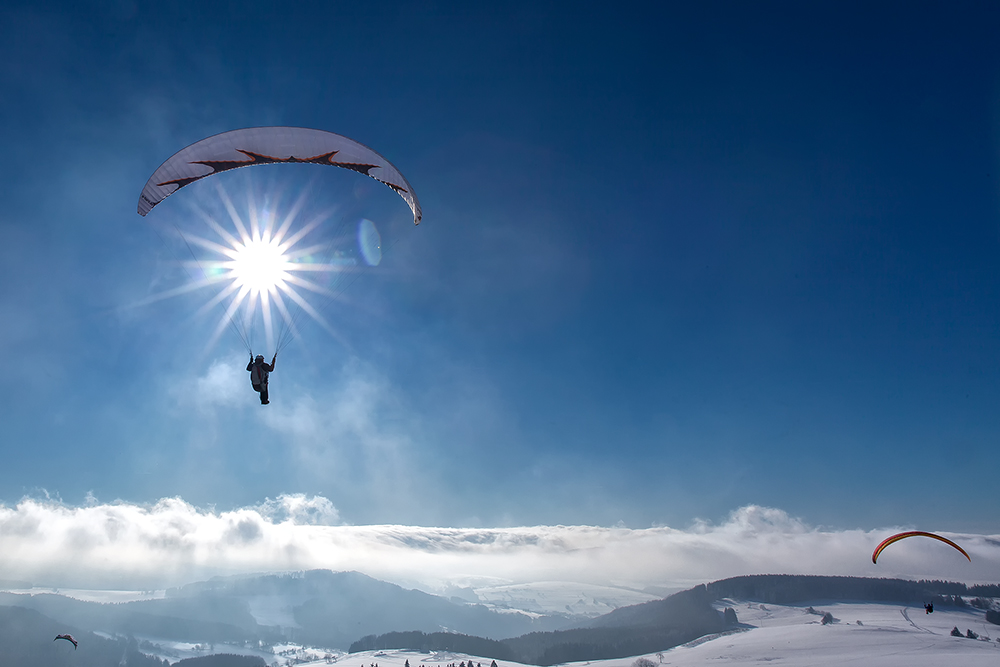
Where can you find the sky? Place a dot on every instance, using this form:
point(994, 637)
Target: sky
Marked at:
point(677, 264)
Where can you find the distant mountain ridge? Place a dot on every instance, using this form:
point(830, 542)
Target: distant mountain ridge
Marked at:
point(335, 608)
point(317, 607)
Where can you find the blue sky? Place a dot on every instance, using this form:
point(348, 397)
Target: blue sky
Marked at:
point(674, 261)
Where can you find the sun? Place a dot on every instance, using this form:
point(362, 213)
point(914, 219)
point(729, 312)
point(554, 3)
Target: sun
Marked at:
point(259, 265)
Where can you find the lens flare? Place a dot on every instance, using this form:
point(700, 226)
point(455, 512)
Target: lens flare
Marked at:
point(369, 242)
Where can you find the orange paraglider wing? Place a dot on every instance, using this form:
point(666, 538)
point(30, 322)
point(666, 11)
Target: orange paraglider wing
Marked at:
point(913, 533)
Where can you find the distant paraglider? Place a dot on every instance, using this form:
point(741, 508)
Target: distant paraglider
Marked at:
point(68, 638)
point(913, 533)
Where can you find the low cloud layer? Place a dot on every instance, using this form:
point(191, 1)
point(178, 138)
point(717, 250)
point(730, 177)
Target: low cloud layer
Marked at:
point(127, 546)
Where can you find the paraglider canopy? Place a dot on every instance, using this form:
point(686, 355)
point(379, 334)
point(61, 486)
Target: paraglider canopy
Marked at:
point(913, 533)
point(270, 145)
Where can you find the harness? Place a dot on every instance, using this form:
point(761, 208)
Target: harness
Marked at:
point(258, 376)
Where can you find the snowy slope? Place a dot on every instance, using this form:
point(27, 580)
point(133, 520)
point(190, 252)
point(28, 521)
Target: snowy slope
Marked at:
point(887, 635)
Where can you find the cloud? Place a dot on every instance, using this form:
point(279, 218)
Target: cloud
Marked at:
point(322, 429)
point(224, 385)
point(337, 427)
point(122, 545)
point(300, 510)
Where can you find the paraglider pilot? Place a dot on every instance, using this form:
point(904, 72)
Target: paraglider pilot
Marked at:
point(259, 370)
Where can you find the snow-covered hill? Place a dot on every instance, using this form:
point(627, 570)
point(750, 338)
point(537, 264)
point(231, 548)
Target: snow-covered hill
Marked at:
point(863, 633)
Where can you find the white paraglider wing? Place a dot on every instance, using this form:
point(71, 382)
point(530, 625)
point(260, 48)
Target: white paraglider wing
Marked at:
point(271, 145)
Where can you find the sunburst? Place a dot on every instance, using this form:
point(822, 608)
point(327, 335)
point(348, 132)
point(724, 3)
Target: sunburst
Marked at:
point(259, 269)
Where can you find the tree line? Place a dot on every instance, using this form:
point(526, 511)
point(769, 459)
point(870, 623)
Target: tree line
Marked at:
point(791, 589)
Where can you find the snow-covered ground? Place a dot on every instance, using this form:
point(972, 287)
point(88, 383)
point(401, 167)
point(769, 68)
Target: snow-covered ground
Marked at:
point(863, 633)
